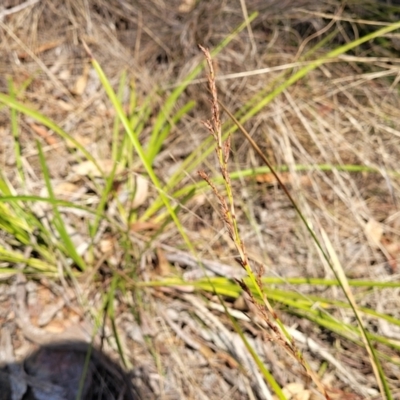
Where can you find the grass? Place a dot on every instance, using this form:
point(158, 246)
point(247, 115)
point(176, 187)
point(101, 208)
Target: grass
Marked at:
point(40, 232)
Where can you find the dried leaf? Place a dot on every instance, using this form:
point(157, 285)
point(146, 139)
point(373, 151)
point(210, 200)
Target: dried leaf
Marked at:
point(87, 168)
point(293, 390)
point(49, 311)
point(140, 194)
point(65, 106)
point(66, 190)
point(107, 245)
point(42, 48)
point(286, 178)
point(141, 191)
point(162, 266)
point(240, 304)
point(374, 231)
point(186, 6)
point(392, 252)
point(81, 82)
point(82, 140)
point(141, 226)
point(43, 133)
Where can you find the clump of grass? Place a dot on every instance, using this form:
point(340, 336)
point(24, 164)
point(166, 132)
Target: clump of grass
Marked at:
point(39, 247)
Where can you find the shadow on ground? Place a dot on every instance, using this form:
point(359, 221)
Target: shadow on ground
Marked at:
point(61, 371)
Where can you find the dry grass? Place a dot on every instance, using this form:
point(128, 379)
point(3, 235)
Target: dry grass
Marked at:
point(178, 341)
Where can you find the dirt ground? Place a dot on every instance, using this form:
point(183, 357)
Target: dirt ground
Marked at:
point(178, 344)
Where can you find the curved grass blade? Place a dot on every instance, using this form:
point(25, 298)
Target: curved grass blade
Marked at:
point(12, 103)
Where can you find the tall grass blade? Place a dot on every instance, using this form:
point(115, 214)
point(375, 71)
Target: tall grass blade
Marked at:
point(15, 133)
point(58, 220)
point(341, 277)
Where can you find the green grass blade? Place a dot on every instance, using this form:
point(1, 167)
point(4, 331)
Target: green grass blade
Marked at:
point(15, 133)
point(111, 314)
point(14, 257)
point(20, 222)
point(341, 277)
point(12, 103)
point(116, 126)
point(138, 148)
point(169, 104)
point(154, 147)
point(52, 201)
point(262, 368)
point(58, 221)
